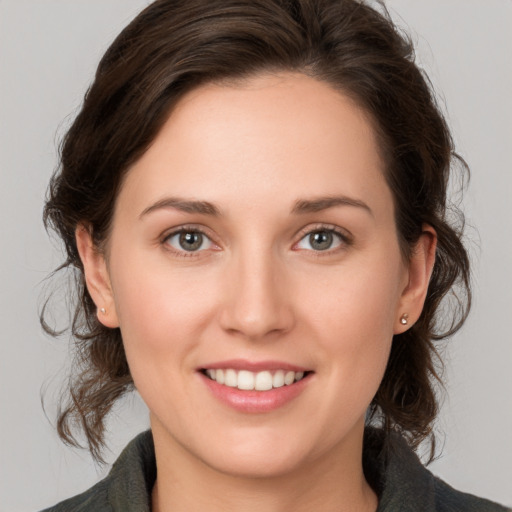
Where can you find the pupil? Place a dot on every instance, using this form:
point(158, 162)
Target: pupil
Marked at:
point(321, 240)
point(191, 241)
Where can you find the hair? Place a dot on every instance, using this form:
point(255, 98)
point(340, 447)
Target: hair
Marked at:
point(174, 46)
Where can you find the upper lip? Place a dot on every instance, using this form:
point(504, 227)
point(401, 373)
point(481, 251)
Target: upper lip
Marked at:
point(253, 366)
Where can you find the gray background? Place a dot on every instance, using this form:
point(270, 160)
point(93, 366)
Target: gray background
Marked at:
point(48, 53)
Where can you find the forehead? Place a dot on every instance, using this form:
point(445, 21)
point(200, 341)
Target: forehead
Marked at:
point(269, 139)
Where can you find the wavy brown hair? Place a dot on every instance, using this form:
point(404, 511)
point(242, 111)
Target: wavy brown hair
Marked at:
point(174, 46)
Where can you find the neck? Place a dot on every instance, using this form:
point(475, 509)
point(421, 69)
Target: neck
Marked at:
point(328, 484)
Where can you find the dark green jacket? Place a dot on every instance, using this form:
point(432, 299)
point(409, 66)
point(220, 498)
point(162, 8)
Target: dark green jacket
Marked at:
point(392, 469)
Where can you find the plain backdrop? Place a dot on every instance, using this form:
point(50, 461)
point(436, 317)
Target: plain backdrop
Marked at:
point(48, 53)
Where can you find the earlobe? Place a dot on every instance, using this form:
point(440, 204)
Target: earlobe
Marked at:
point(420, 267)
point(96, 276)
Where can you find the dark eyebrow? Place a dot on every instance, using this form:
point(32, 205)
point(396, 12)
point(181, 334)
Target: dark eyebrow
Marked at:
point(184, 205)
point(323, 203)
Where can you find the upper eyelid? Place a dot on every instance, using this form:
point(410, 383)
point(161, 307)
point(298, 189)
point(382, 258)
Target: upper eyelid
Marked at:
point(184, 229)
point(307, 230)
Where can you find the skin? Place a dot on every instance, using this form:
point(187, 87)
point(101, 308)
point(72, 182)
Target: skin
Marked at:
point(258, 290)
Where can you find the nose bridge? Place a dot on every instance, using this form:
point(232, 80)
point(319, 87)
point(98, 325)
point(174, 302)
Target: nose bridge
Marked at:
point(257, 303)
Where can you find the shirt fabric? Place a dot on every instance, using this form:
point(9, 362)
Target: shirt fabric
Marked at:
point(393, 470)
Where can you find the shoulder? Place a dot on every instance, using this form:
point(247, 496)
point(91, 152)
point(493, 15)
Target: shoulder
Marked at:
point(96, 498)
point(404, 484)
point(127, 488)
point(449, 499)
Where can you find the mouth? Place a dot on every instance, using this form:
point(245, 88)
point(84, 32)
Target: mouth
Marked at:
point(255, 386)
point(246, 380)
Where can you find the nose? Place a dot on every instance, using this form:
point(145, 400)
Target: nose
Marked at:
point(257, 303)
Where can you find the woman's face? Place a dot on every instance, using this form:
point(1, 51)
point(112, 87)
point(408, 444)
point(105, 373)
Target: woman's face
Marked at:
point(255, 240)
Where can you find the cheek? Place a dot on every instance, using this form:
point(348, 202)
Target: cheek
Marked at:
point(162, 312)
point(353, 315)
point(357, 299)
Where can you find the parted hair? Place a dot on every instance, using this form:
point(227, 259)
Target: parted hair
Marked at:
point(172, 47)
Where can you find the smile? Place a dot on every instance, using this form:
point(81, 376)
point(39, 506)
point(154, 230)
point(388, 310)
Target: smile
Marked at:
point(254, 381)
point(255, 386)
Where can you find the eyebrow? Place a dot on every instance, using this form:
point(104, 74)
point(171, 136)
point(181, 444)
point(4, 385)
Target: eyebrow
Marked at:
point(184, 205)
point(324, 203)
point(301, 206)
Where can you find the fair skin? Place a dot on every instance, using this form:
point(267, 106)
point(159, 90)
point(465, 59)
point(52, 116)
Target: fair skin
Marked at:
point(287, 257)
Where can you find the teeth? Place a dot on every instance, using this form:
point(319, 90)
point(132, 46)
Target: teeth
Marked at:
point(278, 379)
point(230, 378)
point(289, 377)
point(259, 381)
point(245, 380)
point(263, 381)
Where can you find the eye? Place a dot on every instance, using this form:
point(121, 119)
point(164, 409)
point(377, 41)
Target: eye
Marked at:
point(188, 240)
point(321, 240)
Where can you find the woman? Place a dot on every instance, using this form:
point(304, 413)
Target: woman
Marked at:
point(254, 196)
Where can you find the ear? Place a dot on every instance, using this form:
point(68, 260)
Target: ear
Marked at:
point(420, 268)
point(97, 278)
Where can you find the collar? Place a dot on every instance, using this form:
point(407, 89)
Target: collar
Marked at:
point(391, 467)
point(396, 474)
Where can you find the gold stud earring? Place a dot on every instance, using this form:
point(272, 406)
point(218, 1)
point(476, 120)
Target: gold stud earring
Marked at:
point(404, 319)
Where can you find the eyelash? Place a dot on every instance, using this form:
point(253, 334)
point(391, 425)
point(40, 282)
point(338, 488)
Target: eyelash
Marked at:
point(183, 230)
point(344, 238)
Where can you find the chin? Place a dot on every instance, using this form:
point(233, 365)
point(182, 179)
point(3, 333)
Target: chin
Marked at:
point(259, 467)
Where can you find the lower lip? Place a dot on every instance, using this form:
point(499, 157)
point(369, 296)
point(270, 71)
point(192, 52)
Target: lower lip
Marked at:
point(256, 401)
